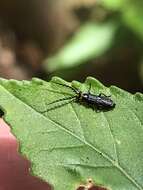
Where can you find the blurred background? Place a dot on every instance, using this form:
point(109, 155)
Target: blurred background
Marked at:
point(73, 39)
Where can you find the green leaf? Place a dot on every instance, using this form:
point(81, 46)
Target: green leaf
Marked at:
point(91, 41)
point(72, 143)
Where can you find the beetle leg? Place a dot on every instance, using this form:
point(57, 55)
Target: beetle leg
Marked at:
point(72, 99)
point(89, 88)
point(99, 108)
point(62, 99)
point(102, 94)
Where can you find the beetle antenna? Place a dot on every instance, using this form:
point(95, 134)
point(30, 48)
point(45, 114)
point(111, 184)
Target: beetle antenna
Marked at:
point(72, 88)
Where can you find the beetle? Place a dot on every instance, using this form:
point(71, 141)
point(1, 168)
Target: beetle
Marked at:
point(101, 101)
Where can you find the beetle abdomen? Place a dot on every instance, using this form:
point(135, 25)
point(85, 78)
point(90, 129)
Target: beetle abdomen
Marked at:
point(101, 102)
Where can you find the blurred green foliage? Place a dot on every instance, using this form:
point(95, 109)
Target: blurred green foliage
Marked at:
point(91, 41)
point(130, 11)
point(118, 32)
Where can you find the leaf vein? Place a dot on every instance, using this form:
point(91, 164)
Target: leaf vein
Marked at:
point(112, 135)
point(128, 176)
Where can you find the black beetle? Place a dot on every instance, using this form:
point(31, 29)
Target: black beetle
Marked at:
point(101, 101)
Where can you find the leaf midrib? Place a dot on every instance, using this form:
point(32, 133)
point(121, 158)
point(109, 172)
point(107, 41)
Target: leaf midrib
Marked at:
point(128, 176)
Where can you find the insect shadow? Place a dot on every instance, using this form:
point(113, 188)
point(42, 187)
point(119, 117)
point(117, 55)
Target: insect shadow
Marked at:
point(99, 102)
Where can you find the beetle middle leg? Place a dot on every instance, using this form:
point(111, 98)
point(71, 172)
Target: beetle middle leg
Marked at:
point(99, 108)
point(102, 94)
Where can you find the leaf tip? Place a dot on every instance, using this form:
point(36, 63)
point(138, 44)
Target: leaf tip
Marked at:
point(58, 79)
point(38, 81)
point(95, 82)
point(138, 96)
